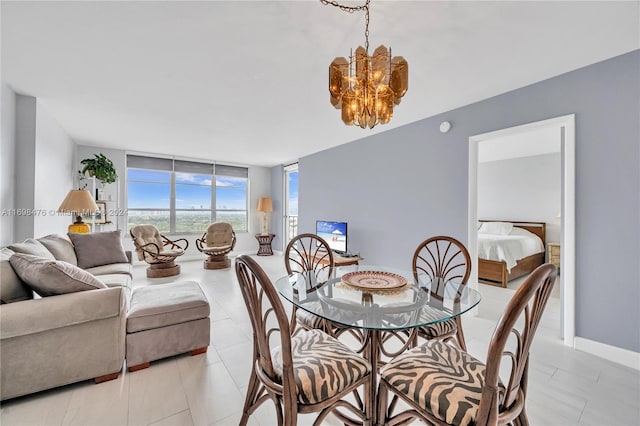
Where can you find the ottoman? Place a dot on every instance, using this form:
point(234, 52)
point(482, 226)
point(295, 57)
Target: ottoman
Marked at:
point(166, 320)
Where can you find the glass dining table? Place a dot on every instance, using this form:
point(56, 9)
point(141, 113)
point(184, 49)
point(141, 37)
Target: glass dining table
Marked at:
point(378, 302)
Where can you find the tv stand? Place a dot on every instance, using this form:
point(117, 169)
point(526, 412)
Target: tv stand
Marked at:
point(339, 260)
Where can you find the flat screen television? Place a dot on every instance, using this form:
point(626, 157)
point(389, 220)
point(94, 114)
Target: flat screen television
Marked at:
point(334, 233)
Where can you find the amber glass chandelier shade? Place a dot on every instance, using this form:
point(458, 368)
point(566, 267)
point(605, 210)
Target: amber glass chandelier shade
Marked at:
point(366, 88)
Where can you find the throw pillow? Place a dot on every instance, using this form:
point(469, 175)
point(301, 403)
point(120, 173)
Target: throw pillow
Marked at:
point(12, 289)
point(60, 247)
point(33, 247)
point(52, 277)
point(99, 248)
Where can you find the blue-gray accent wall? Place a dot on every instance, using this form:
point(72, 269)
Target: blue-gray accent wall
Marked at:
point(398, 187)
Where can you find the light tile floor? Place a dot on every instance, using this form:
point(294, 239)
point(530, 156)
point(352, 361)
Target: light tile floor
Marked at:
point(567, 387)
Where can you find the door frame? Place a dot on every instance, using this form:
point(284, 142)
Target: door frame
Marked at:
point(566, 124)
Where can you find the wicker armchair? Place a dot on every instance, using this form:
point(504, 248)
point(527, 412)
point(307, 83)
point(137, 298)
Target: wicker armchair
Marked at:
point(217, 243)
point(157, 250)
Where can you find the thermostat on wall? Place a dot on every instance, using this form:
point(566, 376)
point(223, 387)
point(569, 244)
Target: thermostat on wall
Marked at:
point(445, 126)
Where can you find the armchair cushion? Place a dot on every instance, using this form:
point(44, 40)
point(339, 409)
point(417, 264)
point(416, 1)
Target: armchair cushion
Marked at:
point(60, 247)
point(99, 248)
point(220, 239)
point(52, 277)
point(219, 234)
point(33, 247)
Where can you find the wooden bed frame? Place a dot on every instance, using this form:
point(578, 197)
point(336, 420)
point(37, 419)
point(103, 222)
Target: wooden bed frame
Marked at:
point(495, 272)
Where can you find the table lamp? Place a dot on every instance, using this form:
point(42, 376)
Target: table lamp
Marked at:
point(78, 201)
point(265, 207)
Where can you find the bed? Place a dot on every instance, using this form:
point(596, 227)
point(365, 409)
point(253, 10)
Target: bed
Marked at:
point(504, 256)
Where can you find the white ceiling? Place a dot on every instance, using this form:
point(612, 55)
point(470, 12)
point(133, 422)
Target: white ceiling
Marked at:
point(246, 82)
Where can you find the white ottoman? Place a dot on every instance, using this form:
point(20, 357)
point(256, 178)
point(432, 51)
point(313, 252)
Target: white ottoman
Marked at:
point(166, 320)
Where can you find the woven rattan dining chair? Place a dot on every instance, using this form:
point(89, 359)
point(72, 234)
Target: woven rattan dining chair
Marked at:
point(309, 372)
point(441, 260)
point(310, 255)
point(444, 385)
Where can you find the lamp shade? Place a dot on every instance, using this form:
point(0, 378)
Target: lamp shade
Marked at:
point(78, 201)
point(265, 205)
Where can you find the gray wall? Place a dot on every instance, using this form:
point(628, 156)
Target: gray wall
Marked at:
point(53, 176)
point(522, 189)
point(277, 216)
point(40, 157)
point(7, 169)
point(25, 164)
point(401, 186)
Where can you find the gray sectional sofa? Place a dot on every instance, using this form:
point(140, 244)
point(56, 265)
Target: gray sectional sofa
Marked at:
point(68, 335)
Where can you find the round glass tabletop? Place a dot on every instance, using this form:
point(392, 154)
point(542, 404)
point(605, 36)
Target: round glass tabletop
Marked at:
point(377, 298)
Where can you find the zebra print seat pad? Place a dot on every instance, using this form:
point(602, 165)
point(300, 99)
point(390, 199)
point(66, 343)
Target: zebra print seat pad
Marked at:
point(322, 366)
point(308, 320)
point(441, 379)
point(438, 329)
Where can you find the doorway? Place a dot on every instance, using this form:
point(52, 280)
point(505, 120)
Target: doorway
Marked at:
point(290, 218)
point(565, 126)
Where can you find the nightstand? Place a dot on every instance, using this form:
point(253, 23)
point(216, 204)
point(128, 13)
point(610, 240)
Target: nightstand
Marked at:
point(553, 254)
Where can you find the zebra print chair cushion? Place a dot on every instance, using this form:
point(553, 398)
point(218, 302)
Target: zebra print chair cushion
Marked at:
point(438, 329)
point(440, 378)
point(322, 366)
point(308, 320)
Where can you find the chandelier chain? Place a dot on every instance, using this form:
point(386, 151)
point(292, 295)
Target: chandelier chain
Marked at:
point(352, 9)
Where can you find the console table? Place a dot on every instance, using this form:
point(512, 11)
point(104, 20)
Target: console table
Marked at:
point(342, 260)
point(265, 244)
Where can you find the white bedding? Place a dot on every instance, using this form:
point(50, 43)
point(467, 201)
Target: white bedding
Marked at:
point(519, 244)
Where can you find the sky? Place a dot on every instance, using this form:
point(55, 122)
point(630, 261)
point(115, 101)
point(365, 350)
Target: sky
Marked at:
point(152, 189)
point(293, 193)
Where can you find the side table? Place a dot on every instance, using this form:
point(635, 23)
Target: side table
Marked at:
point(265, 244)
point(553, 254)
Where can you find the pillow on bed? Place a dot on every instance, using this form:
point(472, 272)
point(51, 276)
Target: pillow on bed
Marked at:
point(496, 228)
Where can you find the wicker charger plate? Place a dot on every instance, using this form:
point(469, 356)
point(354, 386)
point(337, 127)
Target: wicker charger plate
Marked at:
point(374, 280)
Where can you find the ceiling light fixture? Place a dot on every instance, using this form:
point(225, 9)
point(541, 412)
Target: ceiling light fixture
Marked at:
point(365, 87)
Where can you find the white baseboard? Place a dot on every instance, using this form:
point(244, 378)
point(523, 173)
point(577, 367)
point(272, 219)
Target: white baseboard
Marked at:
point(612, 353)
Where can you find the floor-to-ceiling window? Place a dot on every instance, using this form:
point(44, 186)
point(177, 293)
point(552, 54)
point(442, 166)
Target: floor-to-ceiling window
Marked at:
point(185, 196)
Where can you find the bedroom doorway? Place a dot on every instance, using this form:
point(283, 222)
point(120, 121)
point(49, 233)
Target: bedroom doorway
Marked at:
point(565, 128)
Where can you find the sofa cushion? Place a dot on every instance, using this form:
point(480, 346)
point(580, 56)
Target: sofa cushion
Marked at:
point(12, 288)
point(99, 248)
point(34, 247)
point(160, 305)
point(60, 247)
point(114, 268)
point(115, 280)
point(52, 277)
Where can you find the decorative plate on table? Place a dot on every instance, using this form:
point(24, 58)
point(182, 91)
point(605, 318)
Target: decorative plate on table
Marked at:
point(374, 280)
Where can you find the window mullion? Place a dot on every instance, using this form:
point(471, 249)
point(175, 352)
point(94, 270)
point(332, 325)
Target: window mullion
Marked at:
point(172, 205)
point(214, 213)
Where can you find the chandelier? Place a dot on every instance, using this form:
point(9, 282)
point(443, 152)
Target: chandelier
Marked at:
point(366, 88)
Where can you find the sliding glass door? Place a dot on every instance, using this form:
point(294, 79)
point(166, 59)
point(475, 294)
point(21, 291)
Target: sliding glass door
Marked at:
point(290, 202)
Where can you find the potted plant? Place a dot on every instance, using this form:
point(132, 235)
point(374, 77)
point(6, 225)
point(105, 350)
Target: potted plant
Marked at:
point(100, 167)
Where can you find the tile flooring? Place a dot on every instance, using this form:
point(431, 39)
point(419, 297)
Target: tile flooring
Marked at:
point(567, 387)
